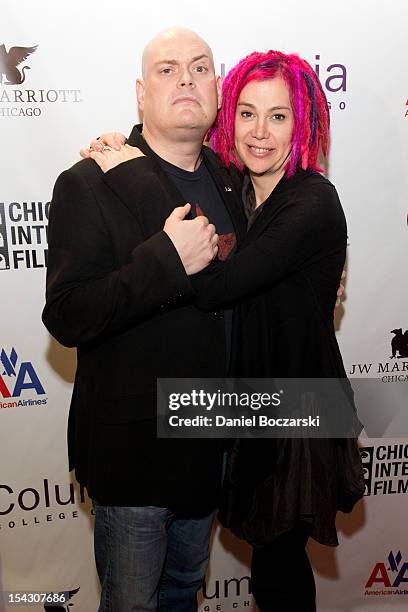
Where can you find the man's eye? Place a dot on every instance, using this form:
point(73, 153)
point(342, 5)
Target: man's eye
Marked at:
point(166, 70)
point(201, 69)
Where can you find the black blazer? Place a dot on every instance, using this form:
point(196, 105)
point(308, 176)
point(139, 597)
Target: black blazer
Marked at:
point(117, 290)
point(284, 280)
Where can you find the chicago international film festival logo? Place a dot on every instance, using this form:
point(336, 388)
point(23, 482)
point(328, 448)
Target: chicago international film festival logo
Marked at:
point(23, 235)
point(16, 378)
point(385, 469)
point(10, 62)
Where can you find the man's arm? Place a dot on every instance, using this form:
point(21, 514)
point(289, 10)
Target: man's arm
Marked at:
point(86, 298)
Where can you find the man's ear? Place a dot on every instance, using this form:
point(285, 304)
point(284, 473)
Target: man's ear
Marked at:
point(219, 94)
point(140, 93)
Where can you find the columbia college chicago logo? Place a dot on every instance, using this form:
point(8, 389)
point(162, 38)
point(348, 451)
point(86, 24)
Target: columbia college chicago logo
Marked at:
point(10, 61)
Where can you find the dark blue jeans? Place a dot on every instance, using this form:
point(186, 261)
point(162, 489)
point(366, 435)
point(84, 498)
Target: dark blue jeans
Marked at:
point(148, 559)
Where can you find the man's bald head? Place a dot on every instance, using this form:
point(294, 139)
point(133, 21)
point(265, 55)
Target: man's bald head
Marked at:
point(179, 92)
point(165, 39)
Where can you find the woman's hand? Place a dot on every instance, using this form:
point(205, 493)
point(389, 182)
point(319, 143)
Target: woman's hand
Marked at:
point(114, 140)
point(341, 289)
point(108, 158)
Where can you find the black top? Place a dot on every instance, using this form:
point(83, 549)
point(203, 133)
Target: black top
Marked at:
point(284, 279)
point(199, 189)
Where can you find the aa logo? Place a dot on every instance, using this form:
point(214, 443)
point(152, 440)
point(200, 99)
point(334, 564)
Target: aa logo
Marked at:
point(9, 62)
point(390, 576)
point(16, 378)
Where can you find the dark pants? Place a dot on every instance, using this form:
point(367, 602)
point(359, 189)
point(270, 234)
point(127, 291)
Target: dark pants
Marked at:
point(282, 577)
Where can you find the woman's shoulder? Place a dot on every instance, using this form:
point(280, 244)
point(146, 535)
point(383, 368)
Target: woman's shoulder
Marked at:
point(314, 184)
point(312, 177)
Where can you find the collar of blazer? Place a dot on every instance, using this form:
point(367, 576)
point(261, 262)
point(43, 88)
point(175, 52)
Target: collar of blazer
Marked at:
point(143, 186)
point(227, 182)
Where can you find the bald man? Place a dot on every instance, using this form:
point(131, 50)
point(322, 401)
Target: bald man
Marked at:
point(117, 290)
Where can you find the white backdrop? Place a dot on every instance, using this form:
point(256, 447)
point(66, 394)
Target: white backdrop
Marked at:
point(80, 82)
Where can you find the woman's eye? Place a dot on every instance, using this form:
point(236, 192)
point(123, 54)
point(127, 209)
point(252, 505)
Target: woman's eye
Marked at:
point(278, 116)
point(246, 114)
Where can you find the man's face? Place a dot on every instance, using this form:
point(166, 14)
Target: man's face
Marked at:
point(179, 93)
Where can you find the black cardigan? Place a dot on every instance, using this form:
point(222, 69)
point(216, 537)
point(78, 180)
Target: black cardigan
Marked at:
point(284, 281)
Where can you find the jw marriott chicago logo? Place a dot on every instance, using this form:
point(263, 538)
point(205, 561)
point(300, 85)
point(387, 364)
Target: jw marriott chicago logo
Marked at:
point(16, 101)
point(10, 62)
point(392, 369)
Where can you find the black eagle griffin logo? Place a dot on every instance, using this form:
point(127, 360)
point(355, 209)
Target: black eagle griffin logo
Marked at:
point(399, 344)
point(67, 596)
point(9, 62)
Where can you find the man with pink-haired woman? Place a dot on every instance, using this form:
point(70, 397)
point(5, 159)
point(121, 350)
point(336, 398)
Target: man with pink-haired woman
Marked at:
point(283, 277)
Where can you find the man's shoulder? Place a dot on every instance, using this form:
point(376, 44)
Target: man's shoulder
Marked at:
point(86, 169)
point(87, 172)
point(84, 174)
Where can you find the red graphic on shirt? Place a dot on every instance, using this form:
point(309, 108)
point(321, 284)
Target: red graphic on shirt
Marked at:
point(226, 242)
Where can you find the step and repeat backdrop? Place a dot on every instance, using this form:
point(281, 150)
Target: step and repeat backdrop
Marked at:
point(67, 73)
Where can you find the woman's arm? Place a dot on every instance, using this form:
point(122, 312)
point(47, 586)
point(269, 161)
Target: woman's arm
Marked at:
point(307, 229)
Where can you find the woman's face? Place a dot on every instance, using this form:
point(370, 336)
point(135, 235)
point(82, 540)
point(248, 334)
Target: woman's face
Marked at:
point(263, 125)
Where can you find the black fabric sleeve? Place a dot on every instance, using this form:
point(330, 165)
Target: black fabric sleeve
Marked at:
point(307, 229)
point(85, 297)
point(125, 178)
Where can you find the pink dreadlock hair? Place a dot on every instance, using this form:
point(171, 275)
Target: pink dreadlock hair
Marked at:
point(308, 101)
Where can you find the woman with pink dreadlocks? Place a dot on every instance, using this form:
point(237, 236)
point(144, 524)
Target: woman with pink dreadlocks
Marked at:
point(273, 124)
point(283, 279)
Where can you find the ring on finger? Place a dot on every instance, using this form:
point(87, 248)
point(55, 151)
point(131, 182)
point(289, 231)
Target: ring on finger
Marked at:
point(106, 149)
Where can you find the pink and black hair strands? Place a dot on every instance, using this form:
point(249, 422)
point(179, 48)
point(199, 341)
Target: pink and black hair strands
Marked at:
point(308, 101)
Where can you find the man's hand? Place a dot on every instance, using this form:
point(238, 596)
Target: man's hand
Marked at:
point(114, 140)
point(108, 158)
point(195, 240)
